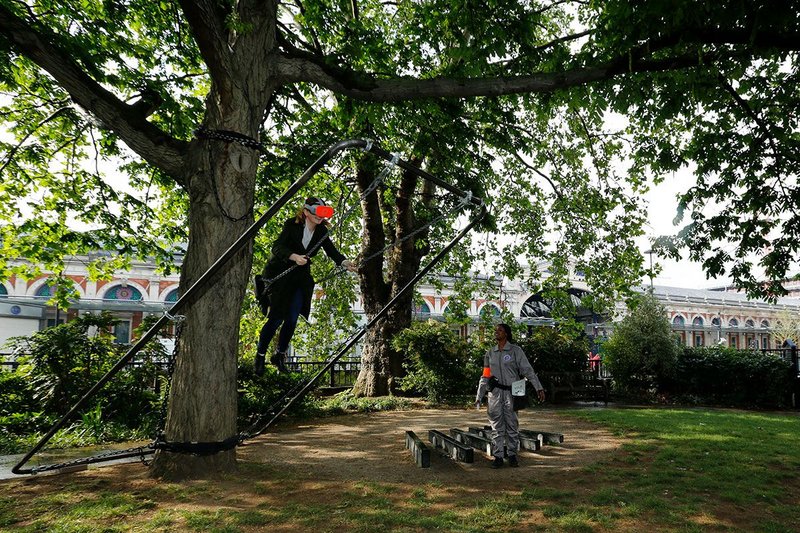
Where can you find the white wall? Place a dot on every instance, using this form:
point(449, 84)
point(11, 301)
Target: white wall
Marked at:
point(15, 327)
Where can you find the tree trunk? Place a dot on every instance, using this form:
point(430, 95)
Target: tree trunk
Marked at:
point(203, 397)
point(381, 365)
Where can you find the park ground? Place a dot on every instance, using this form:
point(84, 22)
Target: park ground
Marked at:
point(353, 473)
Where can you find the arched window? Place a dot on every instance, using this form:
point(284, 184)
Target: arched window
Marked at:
point(122, 293)
point(698, 321)
point(733, 323)
point(715, 321)
point(172, 297)
point(678, 321)
point(765, 324)
point(749, 323)
point(3, 291)
point(45, 291)
point(422, 309)
point(490, 310)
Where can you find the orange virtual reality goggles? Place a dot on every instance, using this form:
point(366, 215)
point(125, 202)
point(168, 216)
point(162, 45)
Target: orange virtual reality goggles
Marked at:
point(322, 211)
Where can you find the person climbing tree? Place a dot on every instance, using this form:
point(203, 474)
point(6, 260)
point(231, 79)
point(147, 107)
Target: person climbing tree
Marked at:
point(289, 265)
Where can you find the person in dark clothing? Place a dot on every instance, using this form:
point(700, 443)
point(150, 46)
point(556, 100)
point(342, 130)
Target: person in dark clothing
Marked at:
point(291, 294)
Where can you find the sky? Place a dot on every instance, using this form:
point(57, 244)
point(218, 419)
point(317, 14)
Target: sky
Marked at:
point(662, 206)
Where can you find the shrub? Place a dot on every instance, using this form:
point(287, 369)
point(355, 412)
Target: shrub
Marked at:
point(726, 376)
point(257, 394)
point(439, 364)
point(63, 363)
point(346, 402)
point(550, 350)
point(642, 352)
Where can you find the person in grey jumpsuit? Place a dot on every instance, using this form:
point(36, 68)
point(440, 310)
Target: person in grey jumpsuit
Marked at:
point(506, 363)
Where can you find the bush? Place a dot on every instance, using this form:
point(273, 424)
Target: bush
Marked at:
point(63, 363)
point(439, 364)
point(345, 402)
point(642, 351)
point(257, 394)
point(550, 350)
point(726, 376)
point(16, 395)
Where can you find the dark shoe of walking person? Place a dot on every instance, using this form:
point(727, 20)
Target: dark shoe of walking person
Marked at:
point(259, 364)
point(497, 463)
point(512, 460)
point(279, 360)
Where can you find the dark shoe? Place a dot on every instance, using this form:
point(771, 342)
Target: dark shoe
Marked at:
point(259, 365)
point(497, 463)
point(512, 460)
point(278, 361)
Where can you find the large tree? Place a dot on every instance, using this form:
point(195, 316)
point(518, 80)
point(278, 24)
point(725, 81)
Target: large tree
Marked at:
point(135, 78)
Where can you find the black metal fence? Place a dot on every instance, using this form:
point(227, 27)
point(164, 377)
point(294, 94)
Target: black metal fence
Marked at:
point(789, 355)
point(342, 374)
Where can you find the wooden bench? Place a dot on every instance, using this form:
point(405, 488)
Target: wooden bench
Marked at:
point(585, 385)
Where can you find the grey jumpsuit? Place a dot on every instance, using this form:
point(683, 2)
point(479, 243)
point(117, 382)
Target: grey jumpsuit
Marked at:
point(507, 365)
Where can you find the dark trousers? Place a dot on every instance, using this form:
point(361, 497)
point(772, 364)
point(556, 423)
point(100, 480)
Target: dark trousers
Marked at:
point(289, 324)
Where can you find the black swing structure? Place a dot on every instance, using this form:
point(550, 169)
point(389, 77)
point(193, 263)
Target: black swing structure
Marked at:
point(263, 422)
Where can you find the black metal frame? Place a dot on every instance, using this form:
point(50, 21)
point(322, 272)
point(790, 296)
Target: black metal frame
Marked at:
point(233, 249)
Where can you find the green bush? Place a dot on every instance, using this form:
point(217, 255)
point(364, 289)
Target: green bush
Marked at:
point(258, 394)
point(16, 395)
point(550, 350)
point(439, 364)
point(642, 351)
point(726, 376)
point(345, 402)
point(64, 362)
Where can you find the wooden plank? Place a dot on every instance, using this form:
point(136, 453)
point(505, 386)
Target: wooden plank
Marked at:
point(548, 438)
point(526, 442)
point(420, 452)
point(456, 450)
point(477, 442)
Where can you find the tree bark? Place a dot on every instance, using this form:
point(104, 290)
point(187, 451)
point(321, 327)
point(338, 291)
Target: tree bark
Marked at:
point(381, 365)
point(203, 397)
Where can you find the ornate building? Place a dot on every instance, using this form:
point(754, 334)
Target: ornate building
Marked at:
point(698, 317)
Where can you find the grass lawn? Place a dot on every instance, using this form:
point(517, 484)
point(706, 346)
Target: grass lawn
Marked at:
point(677, 470)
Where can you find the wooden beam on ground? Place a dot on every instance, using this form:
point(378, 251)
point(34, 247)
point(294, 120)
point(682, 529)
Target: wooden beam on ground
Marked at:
point(548, 438)
point(421, 453)
point(478, 442)
point(526, 442)
point(456, 450)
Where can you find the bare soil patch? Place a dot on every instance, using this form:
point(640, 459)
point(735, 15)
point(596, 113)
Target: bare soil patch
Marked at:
point(371, 447)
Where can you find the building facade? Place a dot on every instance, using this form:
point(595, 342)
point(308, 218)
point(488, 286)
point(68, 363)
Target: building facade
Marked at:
point(698, 317)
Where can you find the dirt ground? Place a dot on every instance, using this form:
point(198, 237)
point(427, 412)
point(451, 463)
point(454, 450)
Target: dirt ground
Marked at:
point(371, 447)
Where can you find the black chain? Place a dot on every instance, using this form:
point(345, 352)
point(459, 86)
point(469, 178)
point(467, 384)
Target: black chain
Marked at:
point(160, 437)
point(338, 270)
point(106, 456)
point(229, 136)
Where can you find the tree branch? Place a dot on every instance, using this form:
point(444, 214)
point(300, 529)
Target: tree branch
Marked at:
point(367, 88)
point(144, 138)
point(207, 23)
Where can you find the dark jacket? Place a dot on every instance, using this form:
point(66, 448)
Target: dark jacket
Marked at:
point(290, 241)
